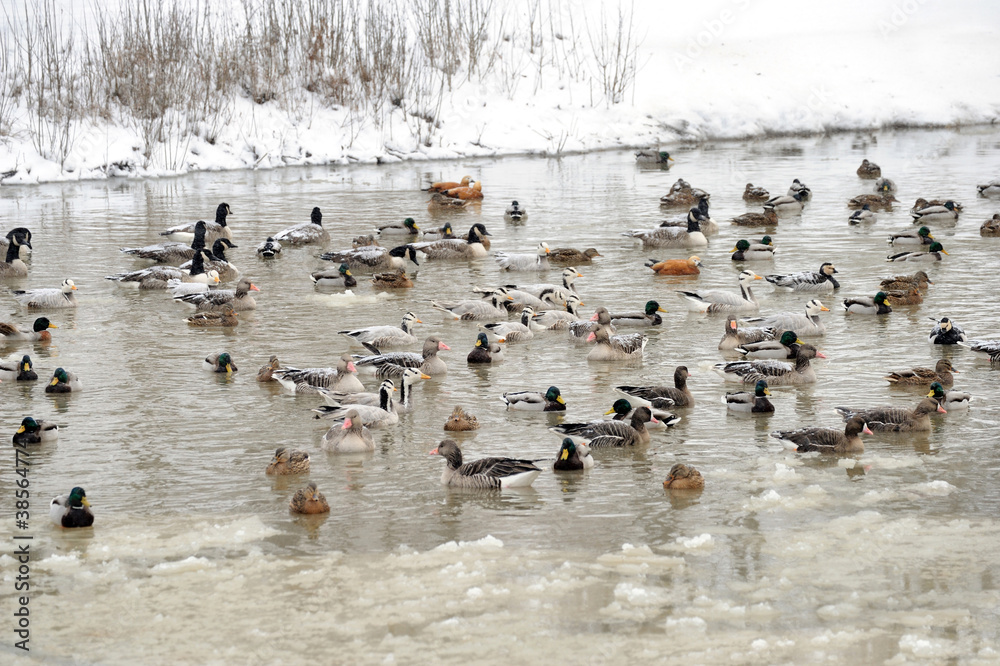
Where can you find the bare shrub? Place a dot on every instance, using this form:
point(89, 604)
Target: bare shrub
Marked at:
point(615, 51)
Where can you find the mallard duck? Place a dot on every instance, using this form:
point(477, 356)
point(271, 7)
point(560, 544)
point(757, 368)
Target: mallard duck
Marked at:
point(800, 188)
point(572, 457)
point(745, 251)
point(227, 318)
point(951, 399)
point(933, 253)
point(62, 297)
point(991, 227)
point(873, 201)
point(63, 382)
point(766, 219)
point(515, 213)
point(869, 305)
point(386, 336)
point(932, 213)
point(789, 204)
point(288, 462)
point(338, 277)
point(172, 253)
point(442, 202)
point(896, 419)
point(266, 372)
point(942, 373)
point(826, 440)
point(602, 434)
point(921, 236)
point(184, 233)
point(724, 301)
point(469, 310)
point(238, 299)
point(21, 371)
point(461, 421)
point(863, 216)
point(481, 352)
point(682, 477)
point(456, 248)
point(444, 231)
point(567, 255)
point(524, 262)
point(736, 336)
point(899, 297)
point(885, 186)
point(219, 362)
point(990, 189)
point(71, 510)
point(486, 473)
point(513, 331)
point(682, 194)
point(783, 348)
point(615, 347)
point(443, 186)
point(660, 157)
point(922, 203)
point(806, 324)
point(305, 232)
point(750, 403)
point(269, 249)
point(752, 194)
point(918, 280)
point(869, 170)
point(373, 258)
point(775, 373)
point(395, 280)
point(24, 246)
point(663, 397)
point(533, 401)
point(689, 266)
point(35, 432)
point(351, 436)
point(427, 361)
point(407, 227)
point(13, 265)
point(471, 192)
point(821, 280)
point(342, 378)
point(39, 331)
point(945, 332)
point(308, 500)
point(648, 317)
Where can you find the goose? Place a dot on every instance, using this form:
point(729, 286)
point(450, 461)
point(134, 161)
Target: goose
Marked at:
point(557, 320)
point(569, 275)
point(699, 213)
point(572, 458)
point(349, 437)
point(784, 348)
point(737, 336)
point(342, 378)
point(486, 473)
point(269, 249)
point(62, 297)
point(662, 397)
point(798, 187)
point(991, 227)
point(386, 336)
point(616, 347)
point(309, 501)
point(456, 248)
point(567, 255)
point(753, 194)
point(942, 374)
point(918, 280)
point(807, 324)
point(288, 462)
point(950, 399)
point(24, 242)
point(921, 236)
point(682, 194)
point(216, 260)
point(407, 228)
point(648, 317)
point(513, 331)
point(750, 403)
point(482, 352)
point(724, 301)
point(169, 277)
point(472, 310)
point(35, 432)
point(461, 421)
point(945, 332)
point(227, 318)
point(766, 219)
point(524, 262)
point(179, 288)
point(870, 305)
point(989, 347)
point(266, 372)
point(172, 253)
point(789, 204)
point(305, 233)
point(371, 416)
point(873, 201)
point(403, 405)
point(885, 186)
point(13, 265)
point(864, 216)
point(219, 362)
point(869, 170)
point(515, 300)
point(63, 382)
point(427, 361)
point(601, 434)
point(990, 189)
point(943, 213)
point(896, 419)
point(184, 233)
point(534, 401)
point(623, 411)
point(689, 266)
point(515, 213)
point(690, 237)
point(933, 253)
point(39, 332)
point(821, 280)
point(683, 477)
point(72, 510)
point(653, 157)
point(373, 258)
point(444, 186)
point(826, 440)
point(334, 277)
point(217, 300)
point(20, 371)
point(745, 251)
point(775, 373)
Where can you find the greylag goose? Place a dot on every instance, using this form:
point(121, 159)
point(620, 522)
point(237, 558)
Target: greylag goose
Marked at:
point(736, 336)
point(717, 300)
point(535, 401)
point(351, 436)
point(616, 347)
point(750, 403)
point(427, 361)
point(826, 440)
point(343, 378)
point(663, 397)
point(486, 473)
point(239, 298)
point(599, 434)
point(896, 419)
point(305, 232)
point(184, 233)
point(386, 336)
point(71, 510)
point(62, 297)
point(775, 373)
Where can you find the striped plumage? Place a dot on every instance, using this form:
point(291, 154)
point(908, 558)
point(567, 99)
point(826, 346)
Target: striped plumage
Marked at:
point(287, 461)
point(775, 373)
point(663, 397)
point(600, 434)
point(486, 473)
point(896, 419)
point(386, 336)
point(736, 335)
point(826, 440)
point(941, 373)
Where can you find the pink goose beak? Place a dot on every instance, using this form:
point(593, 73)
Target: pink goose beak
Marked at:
point(442, 345)
point(591, 337)
point(942, 410)
point(350, 367)
point(867, 431)
point(347, 424)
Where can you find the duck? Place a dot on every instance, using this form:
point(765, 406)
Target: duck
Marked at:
point(945, 332)
point(616, 347)
point(623, 411)
point(305, 232)
point(783, 348)
point(269, 249)
point(456, 248)
point(567, 255)
point(873, 201)
point(535, 401)
point(216, 261)
point(63, 297)
point(682, 194)
point(471, 192)
point(515, 213)
point(660, 157)
point(951, 399)
point(469, 310)
point(173, 252)
point(309, 500)
point(34, 431)
point(737, 336)
point(39, 331)
point(407, 227)
point(648, 317)
point(349, 437)
point(991, 227)
point(933, 253)
point(753, 194)
point(184, 233)
point(750, 403)
point(287, 461)
point(444, 231)
point(946, 212)
point(990, 189)
point(869, 170)
point(227, 318)
point(942, 374)
point(336, 277)
point(394, 280)
point(266, 372)
point(807, 324)
point(918, 280)
point(442, 202)
point(24, 243)
point(72, 510)
point(789, 204)
point(374, 258)
point(572, 457)
point(483, 474)
point(921, 236)
point(689, 266)
point(899, 297)
point(427, 361)
point(513, 331)
point(20, 371)
point(605, 434)
point(885, 186)
point(219, 362)
point(745, 251)
point(774, 372)
point(63, 382)
point(444, 186)
point(826, 440)
point(864, 216)
point(342, 378)
point(869, 305)
point(724, 301)
point(683, 477)
point(821, 280)
point(766, 219)
point(798, 187)
point(690, 237)
point(921, 203)
point(238, 299)
point(386, 336)
point(461, 421)
point(13, 266)
point(896, 419)
point(524, 262)
point(662, 397)
point(482, 352)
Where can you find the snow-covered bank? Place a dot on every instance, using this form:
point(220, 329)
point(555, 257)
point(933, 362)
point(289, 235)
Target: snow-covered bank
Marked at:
point(721, 69)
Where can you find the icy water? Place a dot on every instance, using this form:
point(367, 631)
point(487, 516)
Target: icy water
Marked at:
point(888, 557)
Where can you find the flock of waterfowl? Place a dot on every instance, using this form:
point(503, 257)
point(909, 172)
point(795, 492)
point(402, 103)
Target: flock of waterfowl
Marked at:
point(191, 265)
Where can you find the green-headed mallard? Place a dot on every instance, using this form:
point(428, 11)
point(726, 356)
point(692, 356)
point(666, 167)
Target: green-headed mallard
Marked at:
point(783, 348)
point(949, 399)
point(21, 371)
point(933, 253)
point(219, 362)
point(39, 331)
point(534, 401)
point(515, 213)
point(750, 403)
point(921, 236)
point(747, 251)
point(71, 510)
point(407, 227)
point(789, 204)
point(661, 157)
point(648, 317)
point(63, 382)
point(573, 457)
point(946, 212)
point(335, 277)
point(287, 461)
point(35, 431)
point(869, 305)
point(269, 249)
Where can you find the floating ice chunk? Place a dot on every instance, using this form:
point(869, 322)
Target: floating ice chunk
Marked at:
point(696, 542)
